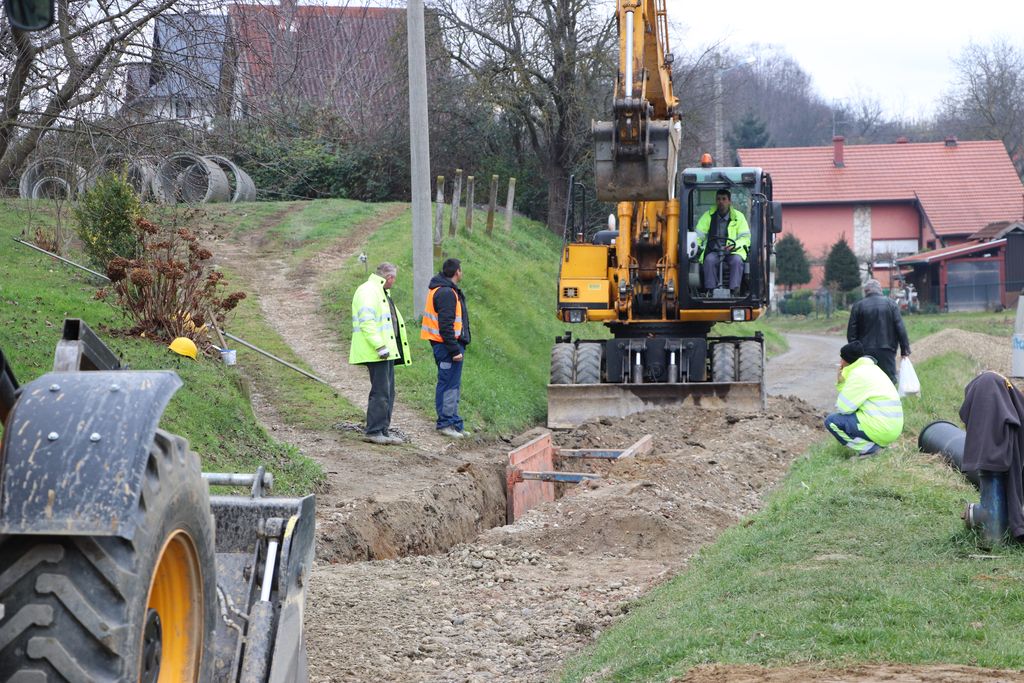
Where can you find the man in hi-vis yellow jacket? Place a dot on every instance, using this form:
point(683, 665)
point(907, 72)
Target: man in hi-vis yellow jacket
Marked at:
point(378, 342)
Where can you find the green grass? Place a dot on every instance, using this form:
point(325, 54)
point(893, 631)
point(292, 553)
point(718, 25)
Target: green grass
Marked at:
point(850, 562)
point(510, 290)
point(918, 325)
point(212, 409)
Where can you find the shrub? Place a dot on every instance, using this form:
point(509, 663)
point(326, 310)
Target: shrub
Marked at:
point(797, 302)
point(106, 215)
point(169, 291)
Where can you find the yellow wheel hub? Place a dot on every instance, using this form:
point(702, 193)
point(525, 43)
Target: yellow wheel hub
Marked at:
point(176, 595)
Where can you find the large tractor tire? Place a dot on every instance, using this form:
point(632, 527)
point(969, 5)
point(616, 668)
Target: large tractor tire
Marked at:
point(563, 358)
point(751, 362)
point(723, 362)
point(103, 608)
point(588, 363)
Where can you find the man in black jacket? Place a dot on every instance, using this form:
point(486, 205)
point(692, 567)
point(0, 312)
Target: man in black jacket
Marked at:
point(446, 325)
point(876, 323)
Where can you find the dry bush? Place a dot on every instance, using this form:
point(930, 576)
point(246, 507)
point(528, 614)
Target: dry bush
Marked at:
point(170, 290)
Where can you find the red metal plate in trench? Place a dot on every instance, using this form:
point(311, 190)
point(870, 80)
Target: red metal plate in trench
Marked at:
point(537, 455)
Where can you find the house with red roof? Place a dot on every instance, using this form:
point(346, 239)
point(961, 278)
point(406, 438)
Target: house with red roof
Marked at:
point(891, 200)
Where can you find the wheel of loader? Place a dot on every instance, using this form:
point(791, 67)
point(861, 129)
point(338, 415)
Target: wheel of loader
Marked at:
point(102, 608)
point(751, 362)
point(588, 363)
point(563, 358)
point(723, 362)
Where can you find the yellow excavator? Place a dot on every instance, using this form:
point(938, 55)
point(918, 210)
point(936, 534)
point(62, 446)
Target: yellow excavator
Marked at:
point(642, 276)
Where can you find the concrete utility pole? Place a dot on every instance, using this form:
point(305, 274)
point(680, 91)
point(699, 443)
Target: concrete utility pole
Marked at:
point(419, 149)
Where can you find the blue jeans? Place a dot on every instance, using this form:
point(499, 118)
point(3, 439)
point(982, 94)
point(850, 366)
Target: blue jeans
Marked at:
point(711, 260)
point(847, 431)
point(449, 388)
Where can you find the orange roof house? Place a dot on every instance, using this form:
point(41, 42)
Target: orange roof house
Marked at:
point(890, 200)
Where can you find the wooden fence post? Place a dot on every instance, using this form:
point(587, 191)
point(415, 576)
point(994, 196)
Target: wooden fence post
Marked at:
point(469, 205)
point(456, 201)
point(491, 204)
point(508, 206)
point(439, 216)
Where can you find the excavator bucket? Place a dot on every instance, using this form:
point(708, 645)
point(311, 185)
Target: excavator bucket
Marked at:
point(570, 405)
point(622, 176)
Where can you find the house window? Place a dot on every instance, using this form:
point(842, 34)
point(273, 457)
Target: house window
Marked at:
point(182, 108)
point(884, 252)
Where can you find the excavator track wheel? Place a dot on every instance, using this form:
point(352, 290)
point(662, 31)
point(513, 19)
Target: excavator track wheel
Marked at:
point(563, 361)
point(106, 608)
point(588, 363)
point(751, 361)
point(723, 362)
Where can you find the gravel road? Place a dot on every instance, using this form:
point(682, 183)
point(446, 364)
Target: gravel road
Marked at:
point(807, 370)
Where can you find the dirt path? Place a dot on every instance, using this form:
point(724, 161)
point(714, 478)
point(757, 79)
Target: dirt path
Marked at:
point(807, 370)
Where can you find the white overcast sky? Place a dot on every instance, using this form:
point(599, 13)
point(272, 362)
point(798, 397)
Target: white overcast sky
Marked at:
point(897, 51)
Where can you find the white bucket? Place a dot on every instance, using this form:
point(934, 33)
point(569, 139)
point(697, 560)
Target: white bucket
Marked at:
point(228, 356)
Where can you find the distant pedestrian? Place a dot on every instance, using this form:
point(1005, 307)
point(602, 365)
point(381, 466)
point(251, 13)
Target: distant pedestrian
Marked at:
point(379, 341)
point(875, 322)
point(869, 414)
point(446, 325)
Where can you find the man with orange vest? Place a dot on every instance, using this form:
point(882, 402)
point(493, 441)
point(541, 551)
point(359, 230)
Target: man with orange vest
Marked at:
point(446, 325)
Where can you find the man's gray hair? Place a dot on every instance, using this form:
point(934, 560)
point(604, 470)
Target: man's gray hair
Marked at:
point(872, 287)
point(386, 270)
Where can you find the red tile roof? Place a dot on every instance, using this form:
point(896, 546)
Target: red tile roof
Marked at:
point(949, 252)
point(961, 187)
point(349, 58)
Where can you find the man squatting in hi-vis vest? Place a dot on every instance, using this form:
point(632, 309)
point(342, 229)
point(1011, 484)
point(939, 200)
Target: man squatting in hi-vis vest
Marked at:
point(379, 340)
point(446, 325)
point(869, 414)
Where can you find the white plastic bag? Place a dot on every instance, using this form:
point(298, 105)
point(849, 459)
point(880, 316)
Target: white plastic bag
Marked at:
point(909, 383)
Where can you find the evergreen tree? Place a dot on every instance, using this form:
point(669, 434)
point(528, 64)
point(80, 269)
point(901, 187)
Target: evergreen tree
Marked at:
point(841, 268)
point(749, 132)
point(792, 266)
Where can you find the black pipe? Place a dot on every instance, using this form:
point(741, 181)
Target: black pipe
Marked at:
point(948, 440)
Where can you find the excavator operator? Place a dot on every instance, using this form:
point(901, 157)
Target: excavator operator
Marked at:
point(723, 232)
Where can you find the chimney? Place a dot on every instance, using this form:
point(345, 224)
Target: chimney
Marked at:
point(837, 150)
point(950, 141)
point(902, 140)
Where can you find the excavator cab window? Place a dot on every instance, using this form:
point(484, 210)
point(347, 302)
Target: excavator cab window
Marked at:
point(703, 199)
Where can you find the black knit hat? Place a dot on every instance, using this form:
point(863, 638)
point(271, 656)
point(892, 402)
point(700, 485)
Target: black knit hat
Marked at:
point(852, 351)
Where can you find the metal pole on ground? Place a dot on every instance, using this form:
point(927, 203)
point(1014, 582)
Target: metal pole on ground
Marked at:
point(438, 218)
point(422, 251)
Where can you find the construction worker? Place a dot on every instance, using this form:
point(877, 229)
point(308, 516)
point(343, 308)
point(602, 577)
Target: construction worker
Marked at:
point(723, 232)
point(875, 322)
point(446, 325)
point(869, 415)
point(378, 342)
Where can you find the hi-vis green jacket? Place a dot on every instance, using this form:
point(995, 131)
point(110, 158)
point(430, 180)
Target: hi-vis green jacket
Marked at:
point(739, 232)
point(867, 391)
point(372, 327)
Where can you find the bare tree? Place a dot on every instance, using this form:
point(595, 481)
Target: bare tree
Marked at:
point(987, 100)
point(544, 66)
point(60, 75)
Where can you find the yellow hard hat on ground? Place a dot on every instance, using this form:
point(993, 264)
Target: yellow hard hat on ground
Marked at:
point(183, 346)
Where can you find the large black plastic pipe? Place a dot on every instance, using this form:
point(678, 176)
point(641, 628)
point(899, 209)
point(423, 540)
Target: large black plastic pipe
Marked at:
point(948, 440)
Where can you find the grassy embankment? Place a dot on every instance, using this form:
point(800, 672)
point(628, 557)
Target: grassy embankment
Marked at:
point(212, 408)
point(851, 561)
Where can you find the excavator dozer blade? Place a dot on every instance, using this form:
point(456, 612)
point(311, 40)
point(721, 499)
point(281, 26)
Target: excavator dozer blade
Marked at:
point(570, 405)
point(624, 177)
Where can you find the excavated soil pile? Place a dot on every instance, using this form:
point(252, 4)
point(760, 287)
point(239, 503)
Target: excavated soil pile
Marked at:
point(991, 353)
point(518, 601)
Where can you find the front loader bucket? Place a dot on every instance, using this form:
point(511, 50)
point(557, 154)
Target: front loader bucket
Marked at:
point(622, 176)
point(570, 405)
